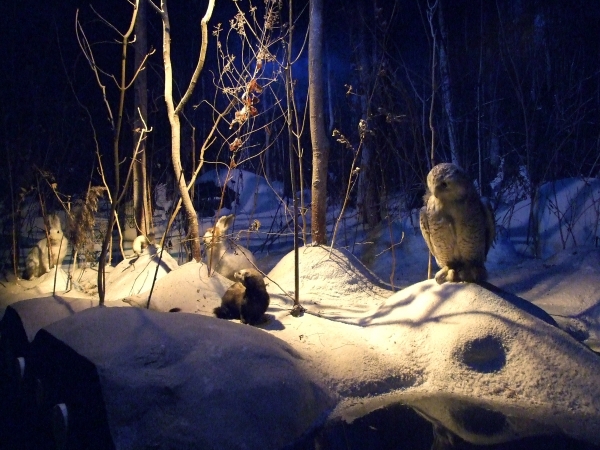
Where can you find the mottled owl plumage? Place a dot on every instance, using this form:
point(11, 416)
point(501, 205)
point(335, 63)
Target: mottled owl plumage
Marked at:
point(457, 225)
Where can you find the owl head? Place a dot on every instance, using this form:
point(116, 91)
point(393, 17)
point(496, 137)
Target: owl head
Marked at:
point(449, 182)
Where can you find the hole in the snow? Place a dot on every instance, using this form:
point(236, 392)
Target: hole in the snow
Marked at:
point(485, 354)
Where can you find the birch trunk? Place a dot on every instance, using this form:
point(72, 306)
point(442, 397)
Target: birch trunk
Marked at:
point(320, 142)
point(173, 114)
point(141, 201)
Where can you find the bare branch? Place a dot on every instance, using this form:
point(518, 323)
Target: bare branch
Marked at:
point(201, 58)
point(89, 55)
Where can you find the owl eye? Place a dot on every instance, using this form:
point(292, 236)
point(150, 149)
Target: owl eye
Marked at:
point(443, 185)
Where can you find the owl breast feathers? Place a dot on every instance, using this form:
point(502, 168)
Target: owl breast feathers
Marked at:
point(457, 225)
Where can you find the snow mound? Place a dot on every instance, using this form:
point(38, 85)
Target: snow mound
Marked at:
point(474, 343)
point(56, 282)
point(136, 275)
point(177, 381)
point(333, 283)
point(32, 314)
point(565, 285)
point(189, 288)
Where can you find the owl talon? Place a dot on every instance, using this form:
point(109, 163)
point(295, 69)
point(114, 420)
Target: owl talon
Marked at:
point(442, 276)
point(448, 275)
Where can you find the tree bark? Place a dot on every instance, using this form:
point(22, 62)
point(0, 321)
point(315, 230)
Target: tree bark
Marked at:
point(367, 183)
point(318, 134)
point(446, 86)
point(141, 187)
point(173, 113)
point(117, 195)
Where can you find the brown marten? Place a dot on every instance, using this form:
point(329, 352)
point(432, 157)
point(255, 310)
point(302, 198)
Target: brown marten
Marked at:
point(246, 299)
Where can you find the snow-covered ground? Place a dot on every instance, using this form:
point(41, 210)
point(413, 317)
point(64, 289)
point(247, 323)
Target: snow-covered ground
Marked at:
point(376, 334)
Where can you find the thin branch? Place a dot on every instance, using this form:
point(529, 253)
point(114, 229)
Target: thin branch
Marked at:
point(89, 55)
point(201, 58)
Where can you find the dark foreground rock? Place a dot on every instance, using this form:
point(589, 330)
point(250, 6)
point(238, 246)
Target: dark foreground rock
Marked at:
point(138, 379)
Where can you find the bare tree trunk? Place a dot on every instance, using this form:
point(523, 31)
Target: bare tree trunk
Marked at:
point(117, 195)
point(190, 212)
point(478, 104)
point(173, 113)
point(320, 143)
point(446, 84)
point(141, 187)
point(367, 186)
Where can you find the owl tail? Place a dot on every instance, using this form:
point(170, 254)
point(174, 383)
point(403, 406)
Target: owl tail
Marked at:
point(473, 274)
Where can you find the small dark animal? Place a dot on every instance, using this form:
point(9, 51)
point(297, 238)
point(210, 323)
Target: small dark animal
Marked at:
point(246, 299)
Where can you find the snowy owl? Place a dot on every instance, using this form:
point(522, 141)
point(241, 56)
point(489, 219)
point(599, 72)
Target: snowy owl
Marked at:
point(457, 225)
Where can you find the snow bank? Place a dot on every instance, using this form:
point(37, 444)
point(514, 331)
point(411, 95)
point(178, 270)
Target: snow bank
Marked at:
point(256, 195)
point(567, 212)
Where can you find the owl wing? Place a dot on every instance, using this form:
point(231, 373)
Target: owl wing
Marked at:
point(490, 224)
point(424, 225)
